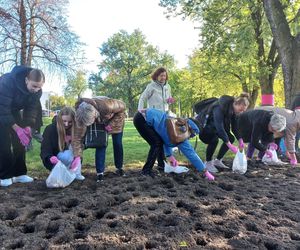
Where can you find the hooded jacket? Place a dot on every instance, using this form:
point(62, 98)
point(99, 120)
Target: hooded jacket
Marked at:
point(292, 124)
point(14, 97)
point(222, 118)
point(156, 96)
point(157, 119)
point(253, 128)
point(104, 106)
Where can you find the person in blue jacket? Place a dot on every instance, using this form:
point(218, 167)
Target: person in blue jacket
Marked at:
point(151, 124)
point(20, 90)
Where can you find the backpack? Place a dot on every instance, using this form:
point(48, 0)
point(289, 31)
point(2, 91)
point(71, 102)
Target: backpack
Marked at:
point(178, 130)
point(202, 109)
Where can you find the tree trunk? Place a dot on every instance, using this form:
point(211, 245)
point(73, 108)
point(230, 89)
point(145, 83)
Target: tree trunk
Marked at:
point(23, 32)
point(132, 105)
point(31, 41)
point(265, 65)
point(288, 48)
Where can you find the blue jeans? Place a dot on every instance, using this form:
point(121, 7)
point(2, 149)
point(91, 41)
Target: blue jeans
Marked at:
point(118, 153)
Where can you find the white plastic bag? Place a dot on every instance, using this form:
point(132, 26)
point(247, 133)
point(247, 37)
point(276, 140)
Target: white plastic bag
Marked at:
point(178, 169)
point(272, 160)
point(240, 163)
point(60, 176)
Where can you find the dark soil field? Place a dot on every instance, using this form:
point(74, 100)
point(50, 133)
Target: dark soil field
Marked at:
point(258, 210)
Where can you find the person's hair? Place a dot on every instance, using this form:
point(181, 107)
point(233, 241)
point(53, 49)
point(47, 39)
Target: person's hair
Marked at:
point(36, 75)
point(158, 72)
point(61, 131)
point(243, 99)
point(85, 114)
point(278, 122)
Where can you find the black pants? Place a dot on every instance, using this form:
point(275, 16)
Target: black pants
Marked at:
point(39, 119)
point(154, 140)
point(209, 136)
point(12, 154)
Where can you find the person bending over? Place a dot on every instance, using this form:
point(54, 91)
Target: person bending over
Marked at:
point(20, 92)
point(220, 120)
point(257, 127)
point(151, 125)
point(110, 113)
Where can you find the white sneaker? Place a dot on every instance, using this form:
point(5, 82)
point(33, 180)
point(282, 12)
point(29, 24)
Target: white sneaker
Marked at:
point(5, 182)
point(220, 164)
point(209, 165)
point(22, 179)
point(79, 177)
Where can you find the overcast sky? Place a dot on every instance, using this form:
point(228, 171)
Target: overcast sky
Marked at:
point(97, 20)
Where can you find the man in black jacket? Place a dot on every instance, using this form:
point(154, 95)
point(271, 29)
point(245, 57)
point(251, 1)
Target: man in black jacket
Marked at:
point(20, 89)
point(257, 128)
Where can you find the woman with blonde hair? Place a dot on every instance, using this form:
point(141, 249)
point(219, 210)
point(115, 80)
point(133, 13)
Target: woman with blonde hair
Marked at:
point(57, 138)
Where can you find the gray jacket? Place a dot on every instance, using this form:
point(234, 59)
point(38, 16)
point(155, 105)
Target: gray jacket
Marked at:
point(156, 96)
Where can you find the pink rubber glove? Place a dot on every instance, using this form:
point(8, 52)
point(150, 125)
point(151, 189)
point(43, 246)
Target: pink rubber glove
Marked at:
point(27, 131)
point(209, 176)
point(75, 164)
point(269, 153)
point(24, 139)
point(233, 148)
point(273, 146)
point(173, 161)
point(293, 159)
point(53, 160)
point(241, 143)
point(170, 100)
point(108, 128)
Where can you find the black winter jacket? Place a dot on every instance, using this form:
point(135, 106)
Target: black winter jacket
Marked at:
point(253, 128)
point(49, 146)
point(14, 97)
point(222, 117)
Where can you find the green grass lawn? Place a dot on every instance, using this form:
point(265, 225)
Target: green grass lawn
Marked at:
point(135, 151)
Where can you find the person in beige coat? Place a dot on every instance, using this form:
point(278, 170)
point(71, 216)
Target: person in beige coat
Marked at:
point(110, 113)
point(292, 128)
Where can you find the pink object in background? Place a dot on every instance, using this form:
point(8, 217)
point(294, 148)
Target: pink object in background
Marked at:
point(267, 100)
